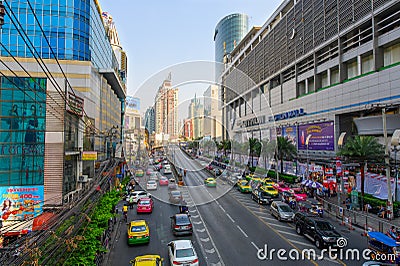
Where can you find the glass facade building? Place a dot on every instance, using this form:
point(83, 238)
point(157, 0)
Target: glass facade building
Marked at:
point(229, 32)
point(73, 28)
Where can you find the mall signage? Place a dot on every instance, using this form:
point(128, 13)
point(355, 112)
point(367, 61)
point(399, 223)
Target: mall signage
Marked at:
point(75, 104)
point(287, 115)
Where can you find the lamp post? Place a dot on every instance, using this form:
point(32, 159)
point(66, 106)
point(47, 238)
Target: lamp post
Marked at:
point(308, 162)
point(395, 143)
point(340, 145)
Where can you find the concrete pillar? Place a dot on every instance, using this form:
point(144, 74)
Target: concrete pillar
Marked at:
point(359, 65)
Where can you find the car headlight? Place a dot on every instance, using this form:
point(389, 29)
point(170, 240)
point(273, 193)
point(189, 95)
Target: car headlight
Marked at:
point(325, 238)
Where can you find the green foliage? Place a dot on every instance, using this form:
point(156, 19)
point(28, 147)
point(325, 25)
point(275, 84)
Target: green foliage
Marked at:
point(283, 177)
point(88, 244)
point(286, 150)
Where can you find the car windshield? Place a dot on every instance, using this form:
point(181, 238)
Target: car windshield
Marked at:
point(182, 253)
point(144, 202)
point(264, 194)
point(323, 225)
point(176, 193)
point(285, 208)
point(151, 182)
point(244, 183)
point(139, 228)
point(182, 220)
point(269, 188)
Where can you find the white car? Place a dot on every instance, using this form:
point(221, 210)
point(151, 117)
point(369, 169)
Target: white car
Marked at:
point(167, 170)
point(138, 194)
point(181, 252)
point(151, 185)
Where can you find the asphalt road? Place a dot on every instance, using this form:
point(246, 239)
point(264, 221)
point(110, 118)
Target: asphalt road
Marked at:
point(229, 227)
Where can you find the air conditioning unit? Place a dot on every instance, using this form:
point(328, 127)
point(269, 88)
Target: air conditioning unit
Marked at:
point(83, 178)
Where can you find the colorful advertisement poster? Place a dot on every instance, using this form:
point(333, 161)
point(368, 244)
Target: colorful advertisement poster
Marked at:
point(89, 156)
point(322, 136)
point(132, 103)
point(290, 133)
point(21, 202)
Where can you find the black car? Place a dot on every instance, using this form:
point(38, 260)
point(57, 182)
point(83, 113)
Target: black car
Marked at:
point(321, 232)
point(181, 224)
point(262, 197)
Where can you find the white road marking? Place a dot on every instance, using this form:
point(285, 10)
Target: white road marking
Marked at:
point(287, 233)
point(216, 264)
point(201, 230)
point(260, 213)
point(199, 222)
point(254, 245)
point(241, 230)
point(267, 218)
point(230, 218)
point(194, 216)
point(205, 239)
point(209, 250)
point(279, 225)
point(301, 243)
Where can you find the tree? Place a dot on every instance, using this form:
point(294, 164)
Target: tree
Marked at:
point(361, 149)
point(254, 148)
point(286, 150)
point(267, 150)
point(225, 146)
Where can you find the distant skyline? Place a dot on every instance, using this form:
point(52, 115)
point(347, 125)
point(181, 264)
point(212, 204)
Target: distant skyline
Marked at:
point(159, 34)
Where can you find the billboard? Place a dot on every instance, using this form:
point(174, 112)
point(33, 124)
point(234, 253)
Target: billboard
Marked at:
point(290, 133)
point(132, 103)
point(322, 136)
point(21, 202)
point(89, 156)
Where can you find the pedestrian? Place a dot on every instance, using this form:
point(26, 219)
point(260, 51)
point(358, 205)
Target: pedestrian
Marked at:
point(328, 191)
point(131, 202)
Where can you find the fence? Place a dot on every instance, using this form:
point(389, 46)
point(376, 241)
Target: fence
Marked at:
point(350, 218)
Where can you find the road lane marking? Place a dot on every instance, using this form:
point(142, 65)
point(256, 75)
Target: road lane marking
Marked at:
point(230, 218)
point(194, 216)
point(216, 264)
point(201, 230)
point(279, 225)
point(199, 222)
point(302, 243)
point(205, 239)
point(241, 230)
point(211, 251)
point(254, 245)
point(267, 218)
point(288, 233)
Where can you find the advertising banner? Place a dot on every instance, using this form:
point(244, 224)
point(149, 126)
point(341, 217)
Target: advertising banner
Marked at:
point(322, 136)
point(21, 202)
point(89, 156)
point(290, 133)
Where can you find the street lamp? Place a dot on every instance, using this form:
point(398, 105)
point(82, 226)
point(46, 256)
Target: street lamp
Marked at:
point(340, 145)
point(395, 143)
point(307, 141)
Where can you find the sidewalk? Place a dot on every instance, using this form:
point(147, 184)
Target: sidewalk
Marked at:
point(355, 218)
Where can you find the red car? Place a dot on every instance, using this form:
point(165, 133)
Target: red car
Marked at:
point(281, 187)
point(145, 205)
point(163, 181)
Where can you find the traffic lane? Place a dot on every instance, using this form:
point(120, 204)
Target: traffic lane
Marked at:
point(160, 235)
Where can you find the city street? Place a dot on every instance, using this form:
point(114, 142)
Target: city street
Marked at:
point(229, 227)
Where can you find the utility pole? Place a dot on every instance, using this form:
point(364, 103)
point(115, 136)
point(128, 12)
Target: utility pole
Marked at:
point(389, 184)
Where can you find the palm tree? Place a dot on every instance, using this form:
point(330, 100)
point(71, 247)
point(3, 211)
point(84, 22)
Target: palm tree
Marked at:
point(361, 149)
point(255, 148)
point(286, 150)
point(225, 145)
point(267, 150)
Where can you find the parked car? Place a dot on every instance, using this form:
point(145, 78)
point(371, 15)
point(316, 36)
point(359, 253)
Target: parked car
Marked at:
point(147, 260)
point(149, 171)
point(145, 205)
point(281, 211)
point(175, 196)
point(138, 232)
point(319, 231)
point(163, 181)
point(181, 224)
point(151, 185)
point(139, 173)
point(182, 252)
point(155, 176)
point(244, 186)
point(262, 197)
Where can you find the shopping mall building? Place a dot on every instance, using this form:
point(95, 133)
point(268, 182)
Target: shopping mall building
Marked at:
point(57, 115)
point(323, 68)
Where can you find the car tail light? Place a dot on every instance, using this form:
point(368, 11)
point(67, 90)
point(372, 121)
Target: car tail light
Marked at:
point(190, 225)
point(177, 263)
point(146, 235)
point(195, 261)
point(177, 227)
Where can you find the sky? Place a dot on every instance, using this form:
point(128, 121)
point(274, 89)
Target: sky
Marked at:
point(161, 36)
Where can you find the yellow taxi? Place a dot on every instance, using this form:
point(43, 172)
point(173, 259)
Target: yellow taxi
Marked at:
point(138, 232)
point(270, 190)
point(267, 182)
point(210, 182)
point(147, 260)
point(243, 186)
point(139, 173)
point(249, 177)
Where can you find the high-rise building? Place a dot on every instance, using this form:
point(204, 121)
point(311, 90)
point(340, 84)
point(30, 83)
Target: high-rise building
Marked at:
point(196, 114)
point(212, 125)
point(149, 120)
point(133, 126)
point(60, 109)
point(228, 33)
point(166, 111)
point(188, 128)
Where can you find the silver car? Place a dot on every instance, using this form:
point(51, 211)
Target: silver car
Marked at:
point(281, 211)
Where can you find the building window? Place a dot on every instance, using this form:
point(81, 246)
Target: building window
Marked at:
point(301, 88)
point(324, 79)
point(367, 64)
point(352, 69)
point(335, 76)
point(391, 55)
